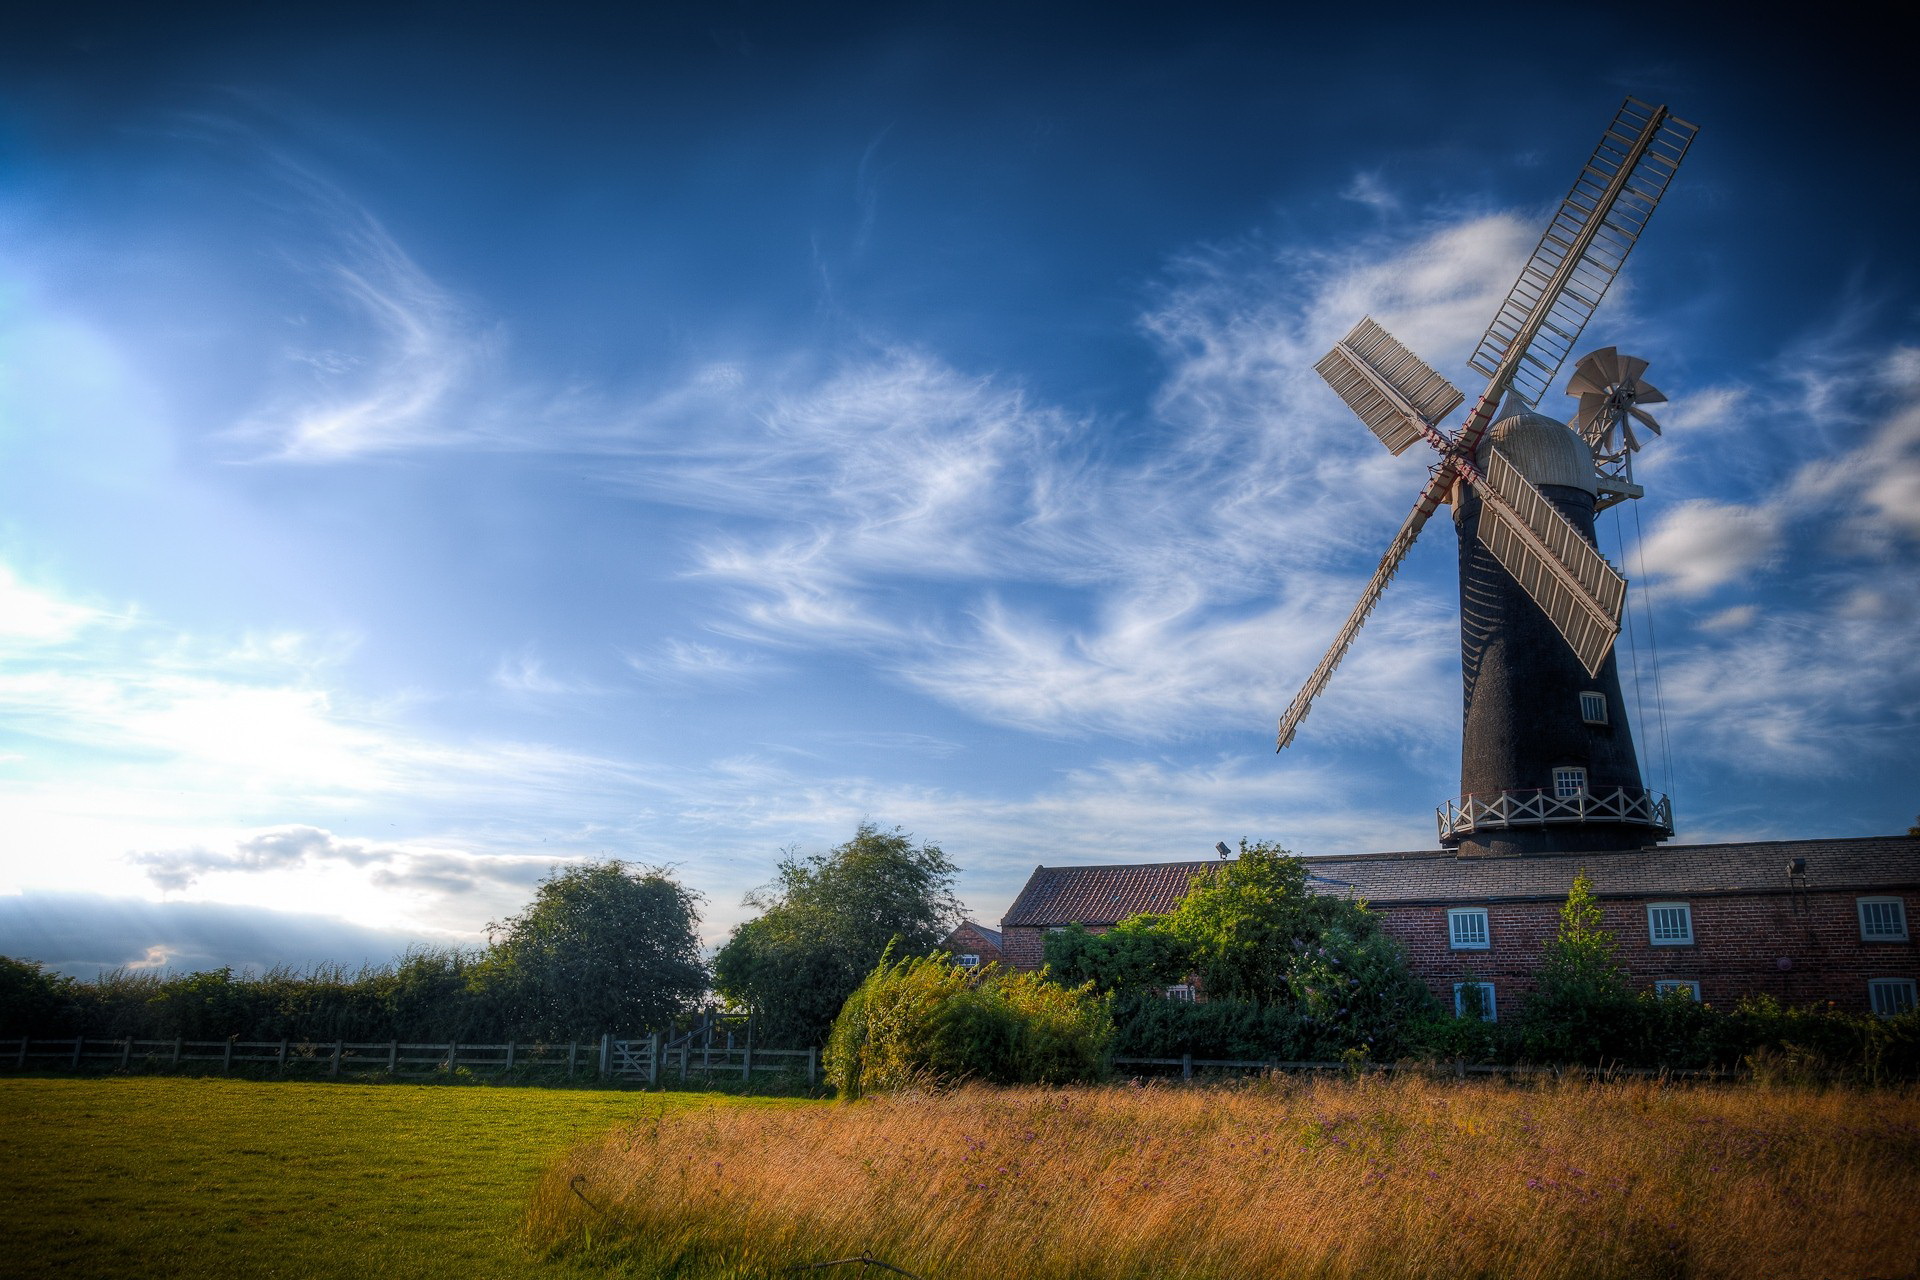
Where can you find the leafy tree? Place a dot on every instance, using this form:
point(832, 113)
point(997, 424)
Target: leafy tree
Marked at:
point(826, 921)
point(1136, 955)
point(603, 947)
point(1313, 974)
point(923, 1020)
point(32, 1000)
point(1581, 1009)
point(1240, 922)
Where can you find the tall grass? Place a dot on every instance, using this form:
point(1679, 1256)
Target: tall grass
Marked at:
point(1283, 1178)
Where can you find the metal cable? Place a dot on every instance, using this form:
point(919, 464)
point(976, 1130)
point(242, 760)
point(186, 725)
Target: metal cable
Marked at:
point(1633, 647)
point(1653, 645)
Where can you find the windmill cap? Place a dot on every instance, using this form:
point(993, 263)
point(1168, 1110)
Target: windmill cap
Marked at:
point(1545, 451)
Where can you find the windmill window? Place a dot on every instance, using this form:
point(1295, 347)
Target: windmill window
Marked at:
point(1883, 920)
point(1593, 708)
point(1467, 929)
point(1182, 992)
point(1670, 924)
point(1667, 986)
point(967, 961)
point(1891, 996)
point(1569, 783)
point(1474, 1000)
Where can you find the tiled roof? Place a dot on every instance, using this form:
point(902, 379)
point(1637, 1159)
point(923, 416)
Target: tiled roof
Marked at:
point(1106, 895)
point(1100, 895)
point(990, 936)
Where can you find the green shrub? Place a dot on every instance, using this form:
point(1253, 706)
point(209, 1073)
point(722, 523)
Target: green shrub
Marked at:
point(924, 1020)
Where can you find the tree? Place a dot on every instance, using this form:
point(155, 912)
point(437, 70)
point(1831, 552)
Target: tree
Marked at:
point(826, 921)
point(1255, 933)
point(1136, 955)
point(926, 1021)
point(1581, 1009)
point(32, 1000)
point(603, 947)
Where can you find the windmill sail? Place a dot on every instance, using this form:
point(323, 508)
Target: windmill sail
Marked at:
point(1395, 393)
point(1583, 248)
point(1580, 593)
point(1389, 564)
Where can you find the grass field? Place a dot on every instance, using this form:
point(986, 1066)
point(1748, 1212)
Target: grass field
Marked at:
point(1288, 1178)
point(137, 1177)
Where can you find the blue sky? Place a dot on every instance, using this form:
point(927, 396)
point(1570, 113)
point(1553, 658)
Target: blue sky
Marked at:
point(438, 446)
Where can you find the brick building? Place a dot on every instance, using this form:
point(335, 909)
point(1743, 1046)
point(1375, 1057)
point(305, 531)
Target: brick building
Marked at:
point(1802, 920)
point(973, 945)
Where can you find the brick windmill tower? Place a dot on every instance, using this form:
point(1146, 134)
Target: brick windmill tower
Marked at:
point(1547, 759)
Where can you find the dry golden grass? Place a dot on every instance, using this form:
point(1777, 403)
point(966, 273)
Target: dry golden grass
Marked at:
point(1283, 1178)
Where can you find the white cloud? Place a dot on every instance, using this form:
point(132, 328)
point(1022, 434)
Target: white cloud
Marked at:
point(384, 359)
point(1700, 545)
point(29, 615)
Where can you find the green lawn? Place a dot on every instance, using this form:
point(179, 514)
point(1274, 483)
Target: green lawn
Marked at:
point(136, 1177)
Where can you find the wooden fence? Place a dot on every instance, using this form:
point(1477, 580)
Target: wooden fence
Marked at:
point(1188, 1064)
point(608, 1057)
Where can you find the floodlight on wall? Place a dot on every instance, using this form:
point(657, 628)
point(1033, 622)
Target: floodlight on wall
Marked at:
point(1220, 847)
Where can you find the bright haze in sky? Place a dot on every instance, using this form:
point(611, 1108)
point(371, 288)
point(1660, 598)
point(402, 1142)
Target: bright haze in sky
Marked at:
point(438, 447)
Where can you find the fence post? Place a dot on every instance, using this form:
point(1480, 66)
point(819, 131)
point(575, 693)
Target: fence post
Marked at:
point(606, 1054)
point(21, 1061)
point(126, 1053)
point(334, 1069)
point(283, 1057)
point(813, 1064)
point(79, 1042)
point(1460, 1068)
point(393, 1057)
point(653, 1059)
point(453, 1057)
point(226, 1059)
point(176, 1050)
point(572, 1049)
point(1186, 1066)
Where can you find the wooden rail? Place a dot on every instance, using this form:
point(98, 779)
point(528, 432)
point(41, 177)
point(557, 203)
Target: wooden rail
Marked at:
point(1188, 1064)
point(607, 1057)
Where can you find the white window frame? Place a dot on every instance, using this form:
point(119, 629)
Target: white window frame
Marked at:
point(1571, 773)
point(1891, 996)
point(1484, 941)
point(1899, 919)
point(1688, 985)
point(1181, 991)
point(967, 961)
point(1593, 707)
point(1486, 988)
point(1654, 936)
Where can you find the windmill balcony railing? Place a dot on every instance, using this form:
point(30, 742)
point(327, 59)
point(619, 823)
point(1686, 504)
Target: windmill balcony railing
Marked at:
point(1532, 808)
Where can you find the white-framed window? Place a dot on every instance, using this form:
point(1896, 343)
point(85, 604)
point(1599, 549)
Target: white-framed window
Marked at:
point(1882, 919)
point(1569, 782)
point(1890, 996)
point(1593, 708)
point(1474, 1000)
point(967, 961)
point(1182, 991)
point(1670, 924)
point(1467, 929)
point(1666, 986)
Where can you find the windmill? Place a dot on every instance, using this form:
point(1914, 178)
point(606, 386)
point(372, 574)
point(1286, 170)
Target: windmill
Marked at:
point(1547, 759)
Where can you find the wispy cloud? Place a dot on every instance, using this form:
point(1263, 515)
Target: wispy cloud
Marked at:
point(382, 358)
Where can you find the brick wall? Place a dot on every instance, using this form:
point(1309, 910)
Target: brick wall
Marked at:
point(968, 940)
point(1740, 942)
point(1800, 948)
